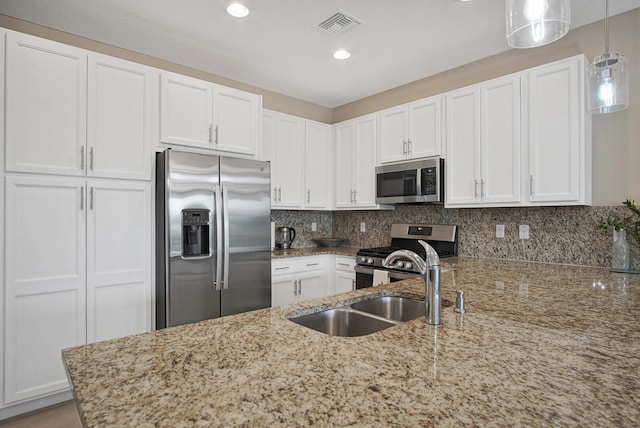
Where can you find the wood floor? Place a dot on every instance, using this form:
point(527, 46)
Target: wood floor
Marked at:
point(61, 416)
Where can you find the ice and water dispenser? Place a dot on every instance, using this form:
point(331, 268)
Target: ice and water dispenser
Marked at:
point(195, 233)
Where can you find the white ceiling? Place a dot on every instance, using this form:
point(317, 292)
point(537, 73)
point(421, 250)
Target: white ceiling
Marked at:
point(278, 47)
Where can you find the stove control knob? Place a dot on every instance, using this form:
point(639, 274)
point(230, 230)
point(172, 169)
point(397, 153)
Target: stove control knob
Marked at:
point(363, 259)
point(400, 264)
point(408, 265)
point(370, 260)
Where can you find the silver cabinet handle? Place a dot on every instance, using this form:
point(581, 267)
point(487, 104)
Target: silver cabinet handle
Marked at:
point(404, 147)
point(275, 194)
point(283, 267)
point(91, 158)
point(482, 189)
point(82, 199)
point(475, 184)
point(91, 198)
point(308, 196)
point(299, 287)
point(531, 188)
point(410, 149)
point(279, 194)
point(216, 140)
point(353, 284)
point(82, 158)
point(210, 134)
point(355, 196)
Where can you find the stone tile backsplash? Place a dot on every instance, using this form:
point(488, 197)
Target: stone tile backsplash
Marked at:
point(567, 235)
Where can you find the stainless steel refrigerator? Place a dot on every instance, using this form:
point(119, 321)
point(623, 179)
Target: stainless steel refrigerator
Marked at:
point(213, 237)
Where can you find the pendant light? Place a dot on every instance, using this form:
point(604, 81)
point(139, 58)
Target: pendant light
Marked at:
point(533, 23)
point(608, 78)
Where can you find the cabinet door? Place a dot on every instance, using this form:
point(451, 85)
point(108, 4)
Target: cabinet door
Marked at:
point(365, 160)
point(318, 171)
point(345, 282)
point(463, 147)
point(344, 161)
point(283, 290)
point(46, 98)
point(425, 128)
point(236, 116)
point(500, 141)
point(313, 285)
point(118, 259)
point(289, 160)
point(185, 110)
point(121, 112)
point(556, 133)
point(44, 282)
point(393, 145)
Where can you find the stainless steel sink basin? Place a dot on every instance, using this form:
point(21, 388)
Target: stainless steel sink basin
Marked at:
point(343, 322)
point(394, 308)
point(365, 317)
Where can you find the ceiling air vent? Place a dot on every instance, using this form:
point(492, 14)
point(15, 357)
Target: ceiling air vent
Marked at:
point(339, 23)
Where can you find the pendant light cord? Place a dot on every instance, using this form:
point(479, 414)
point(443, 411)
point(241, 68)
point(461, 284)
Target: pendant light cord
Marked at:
point(606, 26)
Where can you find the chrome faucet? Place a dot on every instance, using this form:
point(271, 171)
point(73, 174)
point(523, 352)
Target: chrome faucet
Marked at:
point(430, 270)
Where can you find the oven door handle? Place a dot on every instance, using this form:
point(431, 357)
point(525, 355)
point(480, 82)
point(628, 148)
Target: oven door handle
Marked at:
point(368, 270)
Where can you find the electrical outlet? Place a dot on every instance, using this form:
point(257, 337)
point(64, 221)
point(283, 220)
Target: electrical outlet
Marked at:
point(524, 231)
point(499, 230)
point(363, 227)
point(314, 226)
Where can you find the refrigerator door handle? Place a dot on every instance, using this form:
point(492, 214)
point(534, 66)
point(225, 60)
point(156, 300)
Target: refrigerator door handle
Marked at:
point(225, 228)
point(219, 253)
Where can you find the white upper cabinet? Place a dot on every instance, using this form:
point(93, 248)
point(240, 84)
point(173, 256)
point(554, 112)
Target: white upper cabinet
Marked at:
point(355, 142)
point(46, 99)
point(122, 117)
point(186, 106)
point(411, 131)
point(287, 167)
point(236, 116)
point(198, 113)
point(300, 153)
point(483, 144)
point(558, 134)
point(318, 169)
point(71, 112)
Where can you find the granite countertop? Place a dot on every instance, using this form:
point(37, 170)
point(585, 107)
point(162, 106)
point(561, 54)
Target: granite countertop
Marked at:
point(540, 345)
point(314, 251)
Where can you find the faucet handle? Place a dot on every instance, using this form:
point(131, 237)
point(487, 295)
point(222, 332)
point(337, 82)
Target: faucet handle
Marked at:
point(432, 257)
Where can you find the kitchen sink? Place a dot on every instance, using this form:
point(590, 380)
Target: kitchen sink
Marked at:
point(395, 308)
point(365, 317)
point(343, 322)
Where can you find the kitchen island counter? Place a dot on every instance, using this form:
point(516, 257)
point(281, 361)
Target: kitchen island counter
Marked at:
point(540, 345)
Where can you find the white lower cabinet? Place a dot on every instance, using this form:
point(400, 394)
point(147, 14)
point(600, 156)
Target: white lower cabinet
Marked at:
point(344, 274)
point(297, 279)
point(77, 270)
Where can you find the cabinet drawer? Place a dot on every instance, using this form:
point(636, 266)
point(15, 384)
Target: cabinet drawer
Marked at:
point(345, 263)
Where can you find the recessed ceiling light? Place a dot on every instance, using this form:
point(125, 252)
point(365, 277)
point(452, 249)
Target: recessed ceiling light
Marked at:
point(237, 10)
point(341, 54)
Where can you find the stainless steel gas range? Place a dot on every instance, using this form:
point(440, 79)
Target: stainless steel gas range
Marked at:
point(443, 238)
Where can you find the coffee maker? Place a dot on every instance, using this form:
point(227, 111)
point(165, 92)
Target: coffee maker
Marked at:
point(285, 237)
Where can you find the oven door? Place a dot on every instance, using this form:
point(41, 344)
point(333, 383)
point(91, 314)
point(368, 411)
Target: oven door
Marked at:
point(364, 276)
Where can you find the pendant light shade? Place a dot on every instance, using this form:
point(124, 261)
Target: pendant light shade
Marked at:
point(608, 78)
point(533, 23)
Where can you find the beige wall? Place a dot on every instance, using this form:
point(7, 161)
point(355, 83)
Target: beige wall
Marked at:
point(616, 137)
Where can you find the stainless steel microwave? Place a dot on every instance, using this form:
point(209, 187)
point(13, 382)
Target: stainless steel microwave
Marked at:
point(415, 182)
